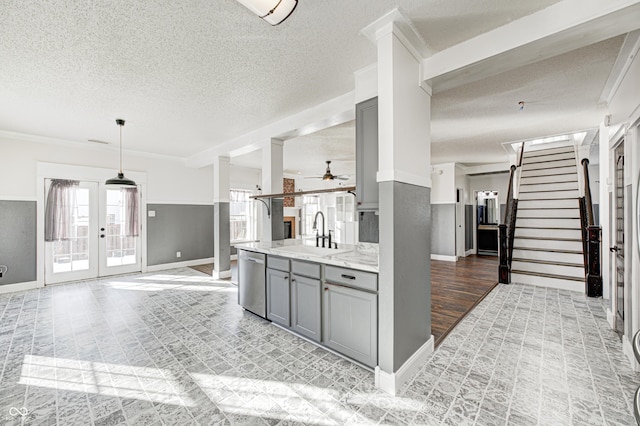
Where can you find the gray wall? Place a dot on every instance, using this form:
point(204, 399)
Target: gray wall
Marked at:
point(469, 226)
point(405, 272)
point(443, 229)
point(368, 227)
point(18, 241)
point(179, 227)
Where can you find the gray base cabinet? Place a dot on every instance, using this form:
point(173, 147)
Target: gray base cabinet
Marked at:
point(278, 301)
point(305, 306)
point(350, 322)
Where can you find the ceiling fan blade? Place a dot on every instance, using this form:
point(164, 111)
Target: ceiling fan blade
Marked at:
point(342, 177)
point(313, 177)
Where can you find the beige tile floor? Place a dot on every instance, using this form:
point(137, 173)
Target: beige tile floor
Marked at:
point(175, 348)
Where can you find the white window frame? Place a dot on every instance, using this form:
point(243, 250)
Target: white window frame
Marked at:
point(250, 215)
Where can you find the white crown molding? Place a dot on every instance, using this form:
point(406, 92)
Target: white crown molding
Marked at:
point(401, 26)
point(628, 52)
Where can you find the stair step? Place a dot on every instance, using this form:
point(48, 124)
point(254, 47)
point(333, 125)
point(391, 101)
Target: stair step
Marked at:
point(548, 256)
point(548, 186)
point(551, 204)
point(547, 280)
point(579, 264)
point(565, 213)
point(549, 157)
point(547, 222)
point(550, 233)
point(567, 177)
point(555, 171)
point(548, 243)
point(548, 195)
point(546, 250)
point(568, 271)
point(549, 165)
point(549, 151)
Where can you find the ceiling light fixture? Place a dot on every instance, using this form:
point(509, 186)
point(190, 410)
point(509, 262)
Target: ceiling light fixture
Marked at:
point(521, 106)
point(120, 180)
point(273, 11)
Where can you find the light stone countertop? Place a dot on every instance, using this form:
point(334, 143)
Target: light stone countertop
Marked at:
point(362, 256)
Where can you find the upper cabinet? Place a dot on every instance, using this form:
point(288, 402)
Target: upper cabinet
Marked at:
point(367, 155)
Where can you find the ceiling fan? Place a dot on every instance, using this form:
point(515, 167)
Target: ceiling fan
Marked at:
point(328, 175)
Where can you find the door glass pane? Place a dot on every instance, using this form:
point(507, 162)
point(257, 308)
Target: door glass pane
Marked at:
point(73, 254)
point(121, 249)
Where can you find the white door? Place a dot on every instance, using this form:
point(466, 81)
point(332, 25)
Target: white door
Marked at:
point(99, 245)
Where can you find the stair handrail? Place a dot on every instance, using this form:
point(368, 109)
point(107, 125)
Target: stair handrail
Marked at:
point(506, 233)
point(587, 191)
point(591, 238)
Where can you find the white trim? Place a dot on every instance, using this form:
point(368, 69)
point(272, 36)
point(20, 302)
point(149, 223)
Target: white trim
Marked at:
point(18, 198)
point(404, 177)
point(393, 382)
point(611, 319)
point(183, 264)
point(444, 257)
point(233, 257)
point(182, 203)
point(628, 51)
point(468, 253)
point(627, 349)
point(444, 203)
point(221, 275)
point(10, 288)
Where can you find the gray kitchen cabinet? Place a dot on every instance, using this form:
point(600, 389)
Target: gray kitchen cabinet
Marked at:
point(367, 155)
point(350, 322)
point(305, 306)
point(278, 297)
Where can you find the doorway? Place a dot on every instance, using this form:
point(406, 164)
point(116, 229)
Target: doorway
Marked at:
point(101, 235)
point(618, 248)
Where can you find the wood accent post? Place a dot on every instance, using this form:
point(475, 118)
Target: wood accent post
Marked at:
point(594, 275)
point(504, 271)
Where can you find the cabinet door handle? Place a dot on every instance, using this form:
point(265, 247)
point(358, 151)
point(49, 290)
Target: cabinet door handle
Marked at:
point(326, 289)
point(293, 280)
point(349, 277)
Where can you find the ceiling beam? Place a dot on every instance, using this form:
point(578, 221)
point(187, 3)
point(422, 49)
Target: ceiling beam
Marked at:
point(331, 113)
point(558, 29)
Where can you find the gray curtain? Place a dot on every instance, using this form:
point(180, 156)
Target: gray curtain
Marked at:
point(58, 215)
point(130, 196)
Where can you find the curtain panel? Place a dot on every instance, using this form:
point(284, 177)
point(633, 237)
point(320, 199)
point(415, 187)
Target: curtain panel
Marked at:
point(60, 209)
point(132, 222)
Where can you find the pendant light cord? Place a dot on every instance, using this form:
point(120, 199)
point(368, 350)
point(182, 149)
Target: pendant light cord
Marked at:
point(121, 148)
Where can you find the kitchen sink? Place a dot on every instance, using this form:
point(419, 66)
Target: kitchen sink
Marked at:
point(310, 250)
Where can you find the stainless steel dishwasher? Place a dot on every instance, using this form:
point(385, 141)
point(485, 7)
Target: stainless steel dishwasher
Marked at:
point(251, 282)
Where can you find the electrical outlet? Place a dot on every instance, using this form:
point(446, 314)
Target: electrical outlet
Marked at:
point(3, 270)
point(178, 254)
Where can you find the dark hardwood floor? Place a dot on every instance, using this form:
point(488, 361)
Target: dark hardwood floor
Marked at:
point(456, 288)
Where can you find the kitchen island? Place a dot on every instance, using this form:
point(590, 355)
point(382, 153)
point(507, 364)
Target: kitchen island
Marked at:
point(329, 296)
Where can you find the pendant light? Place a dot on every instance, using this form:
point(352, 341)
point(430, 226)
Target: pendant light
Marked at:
point(120, 180)
point(272, 11)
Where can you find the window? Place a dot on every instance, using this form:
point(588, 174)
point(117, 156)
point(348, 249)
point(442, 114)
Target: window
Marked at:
point(310, 206)
point(242, 214)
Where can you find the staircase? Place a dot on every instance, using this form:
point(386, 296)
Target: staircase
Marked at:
point(547, 248)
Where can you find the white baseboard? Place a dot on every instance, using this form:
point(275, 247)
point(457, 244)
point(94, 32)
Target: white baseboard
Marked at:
point(10, 288)
point(393, 382)
point(221, 275)
point(611, 319)
point(444, 257)
point(627, 349)
point(469, 252)
point(173, 265)
point(233, 257)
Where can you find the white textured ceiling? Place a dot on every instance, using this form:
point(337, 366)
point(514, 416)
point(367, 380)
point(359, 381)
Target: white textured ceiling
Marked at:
point(189, 75)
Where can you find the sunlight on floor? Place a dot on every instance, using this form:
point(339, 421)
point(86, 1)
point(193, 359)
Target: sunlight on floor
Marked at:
point(124, 381)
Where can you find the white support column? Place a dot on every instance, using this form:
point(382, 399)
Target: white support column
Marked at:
point(604, 215)
point(221, 228)
point(272, 183)
point(404, 183)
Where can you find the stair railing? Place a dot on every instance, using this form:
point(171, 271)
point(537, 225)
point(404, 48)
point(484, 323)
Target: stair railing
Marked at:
point(590, 239)
point(506, 229)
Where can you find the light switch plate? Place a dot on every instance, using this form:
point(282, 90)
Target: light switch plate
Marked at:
point(152, 213)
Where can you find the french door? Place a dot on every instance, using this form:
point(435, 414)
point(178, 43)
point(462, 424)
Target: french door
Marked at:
point(99, 244)
point(618, 249)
